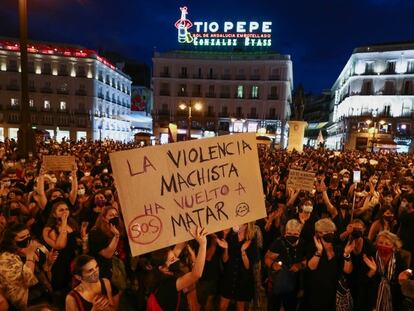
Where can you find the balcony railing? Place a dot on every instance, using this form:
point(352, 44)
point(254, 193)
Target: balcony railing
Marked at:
point(47, 90)
point(226, 77)
point(63, 92)
point(211, 95)
point(223, 114)
point(224, 95)
point(252, 115)
point(210, 114)
point(274, 77)
point(183, 76)
point(182, 94)
point(211, 77)
point(164, 74)
point(197, 76)
point(273, 96)
point(12, 87)
point(255, 77)
point(240, 77)
point(164, 92)
point(80, 93)
point(196, 94)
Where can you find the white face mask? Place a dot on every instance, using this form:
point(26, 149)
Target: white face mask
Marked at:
point(308, 208)
point(81, 191)
point(403, 204)
point(53, 180)
point(346, 180)
point(87, 174)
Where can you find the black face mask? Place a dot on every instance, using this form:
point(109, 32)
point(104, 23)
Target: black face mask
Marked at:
point(15, 212)
point(108, 197)
point(175, 267)
point(356, 234)
point(344, 206)
point(329, 237)
point(292, 239)
point(24, 243)
point(114, 221)
point(98, 187)
point(388, 218)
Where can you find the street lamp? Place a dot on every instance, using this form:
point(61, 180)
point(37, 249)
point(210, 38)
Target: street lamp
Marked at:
point(197, 106)
point(374, 131)
point(25, 139)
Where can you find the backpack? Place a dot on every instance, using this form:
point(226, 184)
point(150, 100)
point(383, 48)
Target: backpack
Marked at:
point(152, 303)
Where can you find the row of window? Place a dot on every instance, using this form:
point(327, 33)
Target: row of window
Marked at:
point(225, 112)
point(62, 105)
point(242, 91)
point(63, 70)
point(225, 73)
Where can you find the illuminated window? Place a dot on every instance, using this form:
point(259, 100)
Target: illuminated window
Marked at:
point(62, 105)
point(31, 103)
point(14, 102)
point(46, 104)
point(255, 91)
point(240, 91)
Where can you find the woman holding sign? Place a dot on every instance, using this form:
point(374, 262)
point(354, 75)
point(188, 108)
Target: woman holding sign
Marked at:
point(169, 279)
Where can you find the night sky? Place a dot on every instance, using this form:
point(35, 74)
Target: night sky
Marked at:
point(319, 35)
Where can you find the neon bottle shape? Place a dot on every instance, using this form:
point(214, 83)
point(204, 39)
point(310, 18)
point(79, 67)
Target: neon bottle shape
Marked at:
point(182, 33)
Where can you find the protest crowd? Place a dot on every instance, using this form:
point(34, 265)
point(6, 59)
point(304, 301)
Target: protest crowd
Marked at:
point(344, 245)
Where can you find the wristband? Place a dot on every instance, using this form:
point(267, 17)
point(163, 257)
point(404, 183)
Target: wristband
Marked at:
point(347, 257)
point(318, 254)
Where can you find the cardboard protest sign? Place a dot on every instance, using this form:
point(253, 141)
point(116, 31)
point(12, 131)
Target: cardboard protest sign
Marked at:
point(301, 180)
point(167, 190)
point(58, 163)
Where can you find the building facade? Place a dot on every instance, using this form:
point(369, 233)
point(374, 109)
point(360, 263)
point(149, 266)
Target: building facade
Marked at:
point(373, 100)
point(237, 92)
point(73, 92)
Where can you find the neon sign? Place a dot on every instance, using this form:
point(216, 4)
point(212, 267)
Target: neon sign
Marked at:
point(240, 33)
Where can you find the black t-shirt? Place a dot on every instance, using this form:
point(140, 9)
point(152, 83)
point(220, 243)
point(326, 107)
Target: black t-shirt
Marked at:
point(288, 254)
point(167, 296)
point(406, 230)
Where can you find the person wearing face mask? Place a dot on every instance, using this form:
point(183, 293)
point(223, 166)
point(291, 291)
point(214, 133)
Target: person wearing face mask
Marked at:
point(360, 256)
point(61, 233)
point(325, 263)
point(93, 293)
point(93, 208)
point(239, 256)
point(284, 259)
point(105, 240)
point(389, 266)
point(81, 199)
point(386, 221)
point(169, 281)
point(306, 217)
point(18, 260)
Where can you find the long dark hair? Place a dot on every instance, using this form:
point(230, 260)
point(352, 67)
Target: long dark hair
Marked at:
point(79, 262)
point(52, 221)
point(8, 244)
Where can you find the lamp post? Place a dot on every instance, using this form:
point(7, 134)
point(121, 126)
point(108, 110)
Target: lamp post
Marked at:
point(197, 106)
point(25, 139)
point(374, 131)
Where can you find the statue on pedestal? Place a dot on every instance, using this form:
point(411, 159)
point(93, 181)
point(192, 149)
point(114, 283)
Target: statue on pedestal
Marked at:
point(299, 102)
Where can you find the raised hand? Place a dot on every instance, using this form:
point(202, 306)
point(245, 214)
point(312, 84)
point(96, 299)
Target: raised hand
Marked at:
point(349, 247)
point(246, 245)
point(222, 243)
point(318, 244)
point(370, 262)
point(200, 235)
point(114, 230)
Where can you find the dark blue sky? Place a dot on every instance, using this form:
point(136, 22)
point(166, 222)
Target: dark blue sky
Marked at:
point(319, 35)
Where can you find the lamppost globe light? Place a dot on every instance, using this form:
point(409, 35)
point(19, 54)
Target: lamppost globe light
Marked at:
point(198, 106)
point(368, 121)
point(183, 106)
